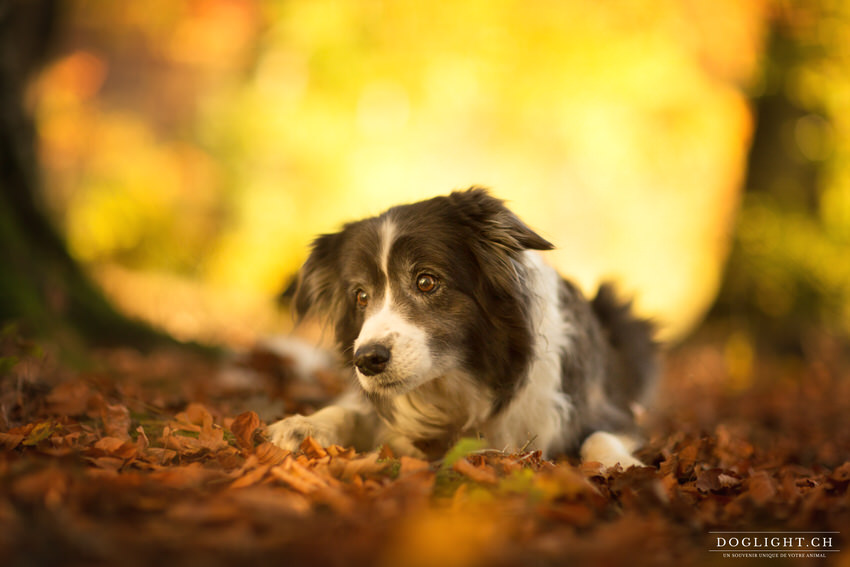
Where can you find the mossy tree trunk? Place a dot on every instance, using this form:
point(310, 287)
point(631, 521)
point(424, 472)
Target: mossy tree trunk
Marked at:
point(42, 288)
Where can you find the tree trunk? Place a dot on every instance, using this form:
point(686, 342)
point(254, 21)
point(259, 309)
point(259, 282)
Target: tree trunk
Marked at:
point(41, 287)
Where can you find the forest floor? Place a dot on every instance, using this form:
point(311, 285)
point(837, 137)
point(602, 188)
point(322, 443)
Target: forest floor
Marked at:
point(159, 459)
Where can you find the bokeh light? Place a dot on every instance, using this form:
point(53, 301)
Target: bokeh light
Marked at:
point(206, 142)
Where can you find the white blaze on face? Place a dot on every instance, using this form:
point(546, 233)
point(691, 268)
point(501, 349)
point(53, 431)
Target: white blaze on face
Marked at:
point(410, 358)
point(387, 236)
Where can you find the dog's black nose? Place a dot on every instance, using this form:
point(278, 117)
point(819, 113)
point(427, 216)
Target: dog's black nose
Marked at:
point(371, 359)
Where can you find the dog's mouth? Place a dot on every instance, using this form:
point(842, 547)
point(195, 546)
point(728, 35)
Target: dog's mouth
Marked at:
point(382, 384)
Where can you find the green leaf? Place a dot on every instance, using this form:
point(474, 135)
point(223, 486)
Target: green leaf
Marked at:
point(465, 446)
point(39, 433)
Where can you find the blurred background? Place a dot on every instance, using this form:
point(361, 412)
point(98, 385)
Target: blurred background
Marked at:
point(696, 152)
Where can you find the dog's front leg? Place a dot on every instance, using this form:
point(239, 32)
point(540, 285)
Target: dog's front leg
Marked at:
point(350, 422)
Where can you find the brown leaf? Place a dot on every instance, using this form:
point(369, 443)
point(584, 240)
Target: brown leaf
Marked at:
point(761, 488)
point(592, 469)
point(107, 463)
point(207, 441)
point(311, 448)
point(728, 481)
point(572, 513)
point(212, 438)
point(482, 474)
point(368, 465)
point(411, 465)
point(244, 427)
point(269, 501)
point(142, 441)
point(116, 420)
point(299, 477)
point(197, 414)
point(70, 398)
point(115, 447)
point(565, 481)
point(271, 454)
point(715, 480)
point(160, 456)
point(193, 475)
point(842, 473)
point(9, 441)
point(48, 486)
point(193, 418)
point(686, 458)
point(251, 477)
point(342, 452)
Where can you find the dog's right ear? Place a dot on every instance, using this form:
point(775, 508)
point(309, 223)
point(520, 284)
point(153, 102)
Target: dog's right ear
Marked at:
point(317, 287)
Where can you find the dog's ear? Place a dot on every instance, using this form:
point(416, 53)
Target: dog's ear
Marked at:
point(500, 237)
point(317, 287)
point(495, 223)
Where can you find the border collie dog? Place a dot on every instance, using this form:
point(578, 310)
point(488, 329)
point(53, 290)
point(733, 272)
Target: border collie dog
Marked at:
point(454, 326)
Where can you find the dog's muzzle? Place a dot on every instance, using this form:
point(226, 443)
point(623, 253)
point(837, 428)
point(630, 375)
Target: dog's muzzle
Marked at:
point(372, 359)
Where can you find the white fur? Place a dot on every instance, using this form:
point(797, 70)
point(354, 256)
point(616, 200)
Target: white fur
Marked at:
point(538, 415)
point(609, 450)
point(411, 363)
point(387, 237)
point(454, 402)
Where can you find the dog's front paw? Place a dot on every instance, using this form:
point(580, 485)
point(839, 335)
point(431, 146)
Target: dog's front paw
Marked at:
point(290, 433)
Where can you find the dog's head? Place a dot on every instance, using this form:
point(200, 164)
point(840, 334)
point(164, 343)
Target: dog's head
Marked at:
point(425, 290)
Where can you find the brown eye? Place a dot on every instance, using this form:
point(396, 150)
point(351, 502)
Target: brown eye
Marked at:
point(361, 298)
point(427, 283)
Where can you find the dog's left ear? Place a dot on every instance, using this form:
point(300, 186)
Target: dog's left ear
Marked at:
point(490, 218)
point(316, 289)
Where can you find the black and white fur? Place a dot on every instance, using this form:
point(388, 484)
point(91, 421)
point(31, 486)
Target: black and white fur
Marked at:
point(454, 326)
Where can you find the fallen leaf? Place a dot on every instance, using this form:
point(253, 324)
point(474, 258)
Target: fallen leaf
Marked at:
point(197, 414)
point(193, 475)
point(271, 454)
point(481, 474)
point(142, 441)
point(160, 456)
point(686, 459)
point(761, 488)
point(113, 446)
point(251, 477)
point(116, 420)
point(39, 433)
point(412, 465)
point(299, 477)
point(572, 513)
point(212, 438)
point(70, 398)
point(369, 465)
point(842, 473)
point(311, 448)
point(9, 441)
point(715, 480)
point(244, 427)
point(344, 452)
point(107, 463)
point(48, 486)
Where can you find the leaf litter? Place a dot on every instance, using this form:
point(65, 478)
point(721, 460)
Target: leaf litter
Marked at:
point(151, 458)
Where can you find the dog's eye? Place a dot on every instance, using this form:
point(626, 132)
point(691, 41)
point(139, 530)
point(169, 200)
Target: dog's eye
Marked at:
point(361, 298)
point(427, 283)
